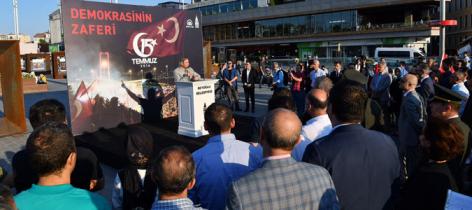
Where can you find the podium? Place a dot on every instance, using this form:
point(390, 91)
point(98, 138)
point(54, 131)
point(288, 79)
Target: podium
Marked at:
point(193, 99)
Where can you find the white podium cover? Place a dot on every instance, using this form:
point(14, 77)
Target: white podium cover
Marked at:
point(193, 99)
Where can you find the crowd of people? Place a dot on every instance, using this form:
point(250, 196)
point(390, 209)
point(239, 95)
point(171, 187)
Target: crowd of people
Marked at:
point(359, 137)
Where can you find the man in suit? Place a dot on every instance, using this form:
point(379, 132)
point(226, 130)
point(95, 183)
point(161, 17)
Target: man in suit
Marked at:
point(380, 91)
point(426, 88)
point(336, 74)
point(363, 163)
point(281, 182)
point(410, 123)
point(249, 79)
point(373, 117)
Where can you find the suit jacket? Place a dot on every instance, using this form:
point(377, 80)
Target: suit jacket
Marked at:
point(412, 119)
point(284, 184)
point(467, 137)
point(363, 164)
point(380, 88)
point(252, 79)
point(335, 77)
point(426, 89)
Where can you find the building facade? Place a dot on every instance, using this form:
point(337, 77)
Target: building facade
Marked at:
point(22, 37)
point(46, 37)
point(55, 27)
point(460, 10)
point(316, 28)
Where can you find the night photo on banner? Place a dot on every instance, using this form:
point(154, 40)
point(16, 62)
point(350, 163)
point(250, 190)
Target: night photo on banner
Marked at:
point(110, 43)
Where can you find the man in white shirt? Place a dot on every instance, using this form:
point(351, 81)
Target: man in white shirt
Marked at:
point(316, 73)
point(318, 126)
point(460, 88)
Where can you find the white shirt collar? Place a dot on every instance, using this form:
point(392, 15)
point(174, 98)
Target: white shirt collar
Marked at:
point(406, 93)
point(314, 119)
point(278, 157)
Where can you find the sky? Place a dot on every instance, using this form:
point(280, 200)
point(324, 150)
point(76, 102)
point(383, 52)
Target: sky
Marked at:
point(34, 14)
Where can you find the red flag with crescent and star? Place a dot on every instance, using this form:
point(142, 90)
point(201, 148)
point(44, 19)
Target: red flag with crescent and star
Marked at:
point(160, 39)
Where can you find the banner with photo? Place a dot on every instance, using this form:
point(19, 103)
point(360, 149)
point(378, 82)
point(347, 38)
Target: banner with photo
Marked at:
point(106, 44)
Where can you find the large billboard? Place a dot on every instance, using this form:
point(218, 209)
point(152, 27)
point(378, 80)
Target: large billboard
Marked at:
point(106, 44)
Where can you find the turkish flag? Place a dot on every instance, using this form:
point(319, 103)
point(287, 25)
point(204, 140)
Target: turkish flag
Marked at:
point(83, 108)
point(160, 39)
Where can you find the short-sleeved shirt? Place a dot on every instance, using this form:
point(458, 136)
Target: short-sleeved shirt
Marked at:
point(230, 74)
point(60, 197)
point(87, 167)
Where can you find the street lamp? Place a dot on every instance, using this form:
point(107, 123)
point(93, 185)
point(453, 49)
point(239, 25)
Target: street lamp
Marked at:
point(15, 19)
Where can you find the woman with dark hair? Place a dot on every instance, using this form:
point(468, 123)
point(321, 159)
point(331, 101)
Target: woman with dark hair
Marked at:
point(133, 187)
point(442, 143)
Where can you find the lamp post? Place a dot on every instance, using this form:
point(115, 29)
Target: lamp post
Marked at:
point(442, 36)
point(15, 19)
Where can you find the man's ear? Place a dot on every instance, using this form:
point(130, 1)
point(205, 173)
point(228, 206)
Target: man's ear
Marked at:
point(191, 184)
point(233, 123)
point(205, 126)
point(93, 183)
point(299, 139)
point(71, 160)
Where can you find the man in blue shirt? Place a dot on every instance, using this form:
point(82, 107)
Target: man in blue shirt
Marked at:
point(230, 76)
point(222, 160)
point(52, 155)
point(278, 78)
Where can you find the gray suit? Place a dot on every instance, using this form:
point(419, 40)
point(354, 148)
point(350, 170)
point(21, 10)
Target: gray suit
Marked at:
point(180, 74)
point(284, 184)
point(410, 125)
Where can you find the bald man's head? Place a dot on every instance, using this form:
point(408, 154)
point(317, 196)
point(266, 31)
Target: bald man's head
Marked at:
point(410, 82)
point(281, 129)
point(317, 102)
point(174, 170)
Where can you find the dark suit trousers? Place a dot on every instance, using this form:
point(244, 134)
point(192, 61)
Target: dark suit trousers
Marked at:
point(249, 94)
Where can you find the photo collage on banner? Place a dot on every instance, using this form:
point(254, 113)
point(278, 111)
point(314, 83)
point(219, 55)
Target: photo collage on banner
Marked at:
point(107, 44)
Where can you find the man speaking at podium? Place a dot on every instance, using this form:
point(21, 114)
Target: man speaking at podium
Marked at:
point(185, 73)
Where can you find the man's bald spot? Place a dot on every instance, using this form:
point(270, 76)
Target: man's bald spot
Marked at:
point(286, 121)
point(282, 128)
point(319, 94)
point(411, 79)
point(317, 99)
